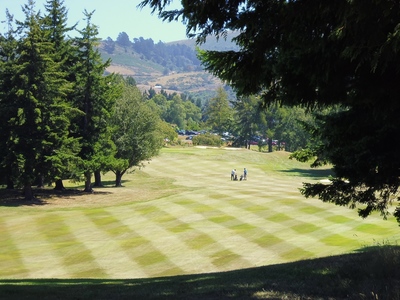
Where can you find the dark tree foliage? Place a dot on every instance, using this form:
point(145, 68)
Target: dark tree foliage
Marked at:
point(55, 101)
point(109, 45)
point(8, 44)
point(123, 39)
point(36, 112)
point(318, 54)
point(95, 96)
point(55, 24)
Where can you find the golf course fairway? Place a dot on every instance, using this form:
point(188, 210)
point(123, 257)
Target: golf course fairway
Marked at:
point(182, 214)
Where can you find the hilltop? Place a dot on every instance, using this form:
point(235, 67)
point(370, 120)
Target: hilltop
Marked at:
point(173, 66)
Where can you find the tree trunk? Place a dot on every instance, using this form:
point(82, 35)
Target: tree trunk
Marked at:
point(97, 179)
point(269, 145)
point(10, 184)
point(118, 178)
point(59, 185)
point(88, 182)
point(28, 193)
point(40, 181)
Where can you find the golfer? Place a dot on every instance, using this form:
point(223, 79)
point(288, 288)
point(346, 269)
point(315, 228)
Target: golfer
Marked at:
point(233, 173)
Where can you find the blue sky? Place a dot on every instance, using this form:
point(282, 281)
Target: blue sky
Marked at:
point(111, 16)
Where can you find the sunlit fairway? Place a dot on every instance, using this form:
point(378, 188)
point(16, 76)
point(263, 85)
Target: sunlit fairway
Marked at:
point(182, 214)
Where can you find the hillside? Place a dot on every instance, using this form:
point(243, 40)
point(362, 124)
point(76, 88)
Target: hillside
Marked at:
point(172, 66)
point(212, 43)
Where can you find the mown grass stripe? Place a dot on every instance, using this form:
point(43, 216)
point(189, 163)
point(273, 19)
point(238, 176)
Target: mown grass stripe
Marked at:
point(279, 218)
point(338, 240)
point(206, 239)
point(222, 218)
point(151, 257)
point(267, 240)
point(224, 258)
point(200, 240)
point(296, 253)
point(305, 228)
point(370, 229)
point(109, 223)
point(10, 256)
point(123, 238)
point(228, 219)
point(75, 256)
point(169, 222)
point(312, 210)
point(248, 227)
point(170, 238)
point(338, 219)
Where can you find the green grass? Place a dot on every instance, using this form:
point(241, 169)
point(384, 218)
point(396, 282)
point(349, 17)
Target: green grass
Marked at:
point(357, 275)
point(181, 229)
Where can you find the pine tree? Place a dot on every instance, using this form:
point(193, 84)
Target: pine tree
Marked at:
point(94, 95)
point(37, 119)
point(55, 22)
point(219, 112)
point(8, 44)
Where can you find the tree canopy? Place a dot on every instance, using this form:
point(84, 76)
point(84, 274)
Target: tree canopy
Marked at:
point(58, 105)
point(33, 105)
point(317, 54)
point(219, 113)
point(136, 134)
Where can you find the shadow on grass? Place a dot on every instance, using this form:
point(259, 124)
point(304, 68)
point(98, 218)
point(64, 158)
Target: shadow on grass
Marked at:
point(109, 183)
point(311, 173)
point(104, 184)
point(15, 197)
point(42, 196)
point(366, 274)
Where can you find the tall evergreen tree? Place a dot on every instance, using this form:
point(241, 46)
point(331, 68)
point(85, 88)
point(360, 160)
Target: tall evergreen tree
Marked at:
point(249, 118)
point(94, 95)
point(37, 120)
point(55, 22)
point(219, 113)
point(8, 44)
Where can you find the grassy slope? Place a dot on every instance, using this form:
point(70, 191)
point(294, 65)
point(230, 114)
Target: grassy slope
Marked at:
point(148, 74)
point(182, 215)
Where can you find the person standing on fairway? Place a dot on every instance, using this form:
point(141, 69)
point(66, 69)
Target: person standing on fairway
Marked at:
point(233, 173)
point(245, 174)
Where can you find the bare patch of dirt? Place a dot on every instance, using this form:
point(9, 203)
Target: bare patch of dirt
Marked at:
point(119, 69)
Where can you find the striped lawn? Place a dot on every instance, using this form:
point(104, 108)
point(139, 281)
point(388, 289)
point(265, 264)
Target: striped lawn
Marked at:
point(202, 222)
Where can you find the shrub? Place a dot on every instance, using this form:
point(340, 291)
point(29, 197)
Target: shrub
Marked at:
point(207, 140)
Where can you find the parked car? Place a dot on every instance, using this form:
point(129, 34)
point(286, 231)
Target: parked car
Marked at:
point(191, 132)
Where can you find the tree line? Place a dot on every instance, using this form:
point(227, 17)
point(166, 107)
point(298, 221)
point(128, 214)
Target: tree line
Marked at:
point(62, 117)
point(242, 118)
point(173, 57)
